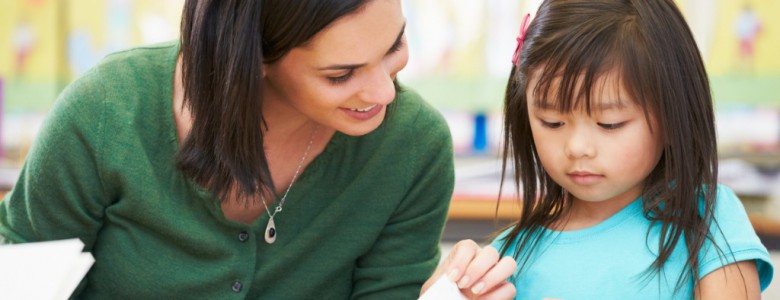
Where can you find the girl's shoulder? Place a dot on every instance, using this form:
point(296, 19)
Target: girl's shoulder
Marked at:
point(728, 205)
point(735, 237)
point(726, 194)
point(730, 222)
point(502, 243)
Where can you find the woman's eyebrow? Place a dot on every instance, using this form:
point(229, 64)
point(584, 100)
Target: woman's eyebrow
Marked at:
point(355, 66)
point(342, 67)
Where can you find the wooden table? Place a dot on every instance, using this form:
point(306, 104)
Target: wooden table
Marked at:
point(475, 207)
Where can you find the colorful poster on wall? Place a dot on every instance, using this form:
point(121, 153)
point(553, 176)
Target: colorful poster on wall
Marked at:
point(52, 42)
point(460, 50)
point(460, 53)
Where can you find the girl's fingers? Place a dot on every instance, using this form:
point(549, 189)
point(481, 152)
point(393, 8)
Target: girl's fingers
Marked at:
point(484, 261)
point(454, 264)
point(496, 276)
point(503, 291)
point(477, 272)
point(459, 258)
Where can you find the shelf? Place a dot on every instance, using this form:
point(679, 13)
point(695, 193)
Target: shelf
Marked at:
point(482, 208)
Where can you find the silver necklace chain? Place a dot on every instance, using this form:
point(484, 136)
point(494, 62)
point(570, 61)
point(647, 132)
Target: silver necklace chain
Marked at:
point(270, 231)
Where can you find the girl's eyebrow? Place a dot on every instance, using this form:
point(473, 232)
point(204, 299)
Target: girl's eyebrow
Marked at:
point(610, 105)
point(601, 106)
point(544, 105)
point(355, 66)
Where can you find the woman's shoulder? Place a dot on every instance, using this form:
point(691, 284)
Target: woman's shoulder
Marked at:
point(141, 56)
point(122, 86)
point(410, 112)
point(126, 72)
point(143, 64)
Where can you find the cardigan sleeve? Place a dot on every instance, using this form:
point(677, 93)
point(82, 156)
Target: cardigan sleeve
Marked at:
point(59, 194)
point(407, 251)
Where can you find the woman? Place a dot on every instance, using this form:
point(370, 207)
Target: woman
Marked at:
point(268, 155)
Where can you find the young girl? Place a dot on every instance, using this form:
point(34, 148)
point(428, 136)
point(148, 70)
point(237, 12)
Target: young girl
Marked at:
point(609, 126)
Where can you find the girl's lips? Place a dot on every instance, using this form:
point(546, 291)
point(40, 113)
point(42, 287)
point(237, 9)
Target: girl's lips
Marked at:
point(585, 178)
point(363, 115)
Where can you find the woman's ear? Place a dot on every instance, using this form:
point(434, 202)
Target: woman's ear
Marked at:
point(263, 68)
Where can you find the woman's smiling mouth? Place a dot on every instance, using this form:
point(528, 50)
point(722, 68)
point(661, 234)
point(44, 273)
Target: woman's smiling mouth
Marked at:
point(363, 113)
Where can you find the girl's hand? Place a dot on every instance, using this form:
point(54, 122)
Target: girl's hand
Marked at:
point(479, 273)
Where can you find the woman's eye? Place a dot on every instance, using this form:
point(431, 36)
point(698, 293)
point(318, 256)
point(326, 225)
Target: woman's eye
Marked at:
point(396, 47)
point(552, 124)
point(611, 126)
point(340, 79)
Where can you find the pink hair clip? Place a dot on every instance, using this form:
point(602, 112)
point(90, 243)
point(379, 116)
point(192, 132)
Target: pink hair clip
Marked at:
point(521, 38)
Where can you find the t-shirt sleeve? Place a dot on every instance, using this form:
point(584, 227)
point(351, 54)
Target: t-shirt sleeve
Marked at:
point(59, 194)
point(736, 238)
point(407, 250)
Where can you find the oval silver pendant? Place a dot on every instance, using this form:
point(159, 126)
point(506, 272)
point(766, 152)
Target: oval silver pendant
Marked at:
point(270, 231)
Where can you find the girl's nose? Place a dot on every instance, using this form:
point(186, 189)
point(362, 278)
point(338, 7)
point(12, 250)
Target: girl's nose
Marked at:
point(580, 144)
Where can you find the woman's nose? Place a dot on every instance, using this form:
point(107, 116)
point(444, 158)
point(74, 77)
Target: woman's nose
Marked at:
point(379, 87)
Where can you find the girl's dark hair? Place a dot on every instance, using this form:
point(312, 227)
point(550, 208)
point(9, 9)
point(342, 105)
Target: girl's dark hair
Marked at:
point(649, 45)
point(224, 44)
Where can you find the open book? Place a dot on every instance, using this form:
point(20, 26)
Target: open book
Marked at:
point(42, 270)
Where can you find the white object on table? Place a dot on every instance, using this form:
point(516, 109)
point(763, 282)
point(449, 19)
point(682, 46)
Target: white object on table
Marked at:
point(43, 270)
point(443, 289)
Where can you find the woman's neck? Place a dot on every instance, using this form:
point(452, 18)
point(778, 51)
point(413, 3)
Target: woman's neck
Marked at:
point(284, 123)
point(288, 133)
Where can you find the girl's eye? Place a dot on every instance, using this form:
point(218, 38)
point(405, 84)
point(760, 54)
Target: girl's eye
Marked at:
point(552, 124)
point(612, 126)
point(341, 79)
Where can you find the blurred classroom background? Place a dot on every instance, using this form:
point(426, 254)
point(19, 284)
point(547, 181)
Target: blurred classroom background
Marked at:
point(460, 56)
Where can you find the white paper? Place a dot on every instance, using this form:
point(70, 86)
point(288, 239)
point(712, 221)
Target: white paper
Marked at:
point(42, 270)
point(443, 289)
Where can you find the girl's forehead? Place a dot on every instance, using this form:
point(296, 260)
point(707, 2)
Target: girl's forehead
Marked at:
point(606, 91)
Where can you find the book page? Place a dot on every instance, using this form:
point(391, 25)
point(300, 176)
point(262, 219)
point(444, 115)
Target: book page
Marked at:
point(443, 289)
point(42, 270)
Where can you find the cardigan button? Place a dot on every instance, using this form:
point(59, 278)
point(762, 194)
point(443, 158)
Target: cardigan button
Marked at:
point(236, 286)
point(243, 236)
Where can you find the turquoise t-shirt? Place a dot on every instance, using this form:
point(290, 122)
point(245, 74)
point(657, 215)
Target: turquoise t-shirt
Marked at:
point(609, 260)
